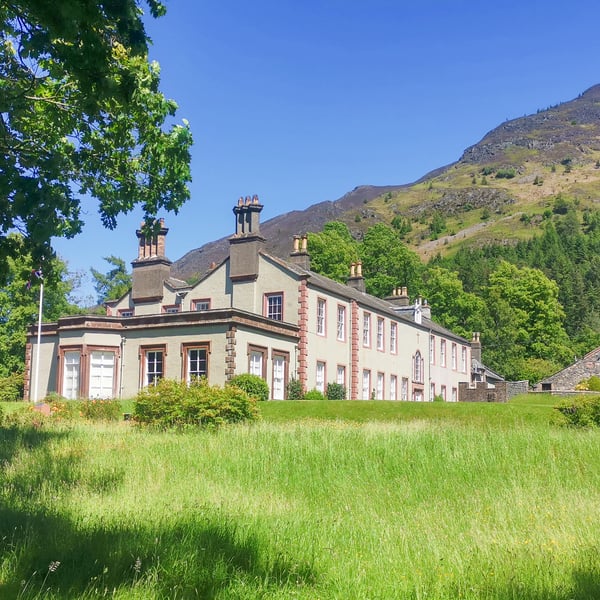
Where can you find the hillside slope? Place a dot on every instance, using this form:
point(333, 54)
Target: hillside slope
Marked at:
point(497, 191)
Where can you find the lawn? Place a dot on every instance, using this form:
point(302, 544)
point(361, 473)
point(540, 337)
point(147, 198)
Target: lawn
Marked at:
point(348, 500)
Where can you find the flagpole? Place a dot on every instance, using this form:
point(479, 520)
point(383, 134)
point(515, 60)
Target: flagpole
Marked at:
point(37, 350)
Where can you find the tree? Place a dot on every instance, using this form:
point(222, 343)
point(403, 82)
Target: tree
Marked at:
point(115, 283)
point(19, 302)
point(461, 312)
point(527, 318)
point(81, 113)
point(332, 251)
point(387, 262)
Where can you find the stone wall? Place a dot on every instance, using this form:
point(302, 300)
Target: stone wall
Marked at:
point(568, 378)
point(501, 392)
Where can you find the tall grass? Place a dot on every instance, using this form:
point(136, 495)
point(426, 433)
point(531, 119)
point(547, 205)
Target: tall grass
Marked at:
point(313, 508)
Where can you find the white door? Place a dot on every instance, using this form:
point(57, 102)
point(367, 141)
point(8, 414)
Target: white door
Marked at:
point(102, 371)
point(278, 378)
point(70, 389)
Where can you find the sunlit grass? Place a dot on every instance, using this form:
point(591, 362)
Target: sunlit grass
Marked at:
point(390, 500)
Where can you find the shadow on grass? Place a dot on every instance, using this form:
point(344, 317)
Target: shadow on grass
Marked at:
point(45, 554)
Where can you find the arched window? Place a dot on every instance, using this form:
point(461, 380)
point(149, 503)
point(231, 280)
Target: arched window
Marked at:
point(418, 367)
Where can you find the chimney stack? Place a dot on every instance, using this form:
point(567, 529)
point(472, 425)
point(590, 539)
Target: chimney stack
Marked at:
point(476, 347)
point(356, 279)
point(151, 268)
point(246, 243)
point(299, 255)
point(399, 297)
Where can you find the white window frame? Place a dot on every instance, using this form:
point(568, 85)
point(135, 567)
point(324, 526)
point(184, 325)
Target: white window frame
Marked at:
point(321, 316)
point(274, 306)
point(418, 367)
point(443, 353)
point(197, 372)
point(380, 336)
point(380, 386)
point(341, 375)
point(393, 337)
point(393, 387)
point(367, 329)
point(151, 372)
point(102, 367)
point(454, 355)
point(404, 389)
point(341, 323)
point(432, 349)
point(320, 376)
point(366, 384)
point(71, 374)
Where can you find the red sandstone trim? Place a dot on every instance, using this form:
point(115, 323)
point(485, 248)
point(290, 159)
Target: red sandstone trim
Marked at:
point(303, 341)
point(354, 341)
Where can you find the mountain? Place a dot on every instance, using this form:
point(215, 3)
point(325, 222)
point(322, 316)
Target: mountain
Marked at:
point(498, 191)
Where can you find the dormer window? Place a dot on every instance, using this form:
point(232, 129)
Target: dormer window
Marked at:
point(126, 312)
point(172, 308)
point(199, 305)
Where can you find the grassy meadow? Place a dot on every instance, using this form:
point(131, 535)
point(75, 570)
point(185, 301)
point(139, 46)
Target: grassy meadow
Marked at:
point(329, 500)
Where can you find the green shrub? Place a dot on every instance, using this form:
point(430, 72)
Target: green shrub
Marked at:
point(505, 173)
point(592, 384)
point(11, 387)
point(580, 412)
point(100, 410)
point(438, 398)
point(336, 391)
point(175, 404)
point(294, 389)
point(314, 395)
point(253, 385)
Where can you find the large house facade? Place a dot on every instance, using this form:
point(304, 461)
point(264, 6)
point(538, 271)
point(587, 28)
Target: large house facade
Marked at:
point(253, 313)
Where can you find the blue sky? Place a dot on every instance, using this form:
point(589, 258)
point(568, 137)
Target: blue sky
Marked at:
point(299, 101)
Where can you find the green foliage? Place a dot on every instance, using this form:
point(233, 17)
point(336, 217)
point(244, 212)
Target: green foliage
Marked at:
point(333, 251)
point(294, 389)
point(487, 171)
point(253, 385)
point(580, 412)
point(82, 115)
point(387, 262)
point(335, 391)
point(175, 404)
point(101, 410)
point(115, 283)
point(437, 225)
point(591, 384)
point(314, 395)
point(526, 316)
point(402, 225)
point(505, 173)
point(19, 299)
point(11, 387)
point(562, 205)
point(460, 311)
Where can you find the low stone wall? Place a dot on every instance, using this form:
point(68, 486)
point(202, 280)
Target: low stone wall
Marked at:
point(501, 392)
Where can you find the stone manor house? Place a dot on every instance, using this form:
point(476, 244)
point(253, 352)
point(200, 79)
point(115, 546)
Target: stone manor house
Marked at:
point(252, 313)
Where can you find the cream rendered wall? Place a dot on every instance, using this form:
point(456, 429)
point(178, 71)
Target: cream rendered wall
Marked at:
point(447, 376)
point(124, 303)
point(246, 337)
point(272, 278)
point(173, 338)
point(215, 287)
point(327, 348)
point(47, 373)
